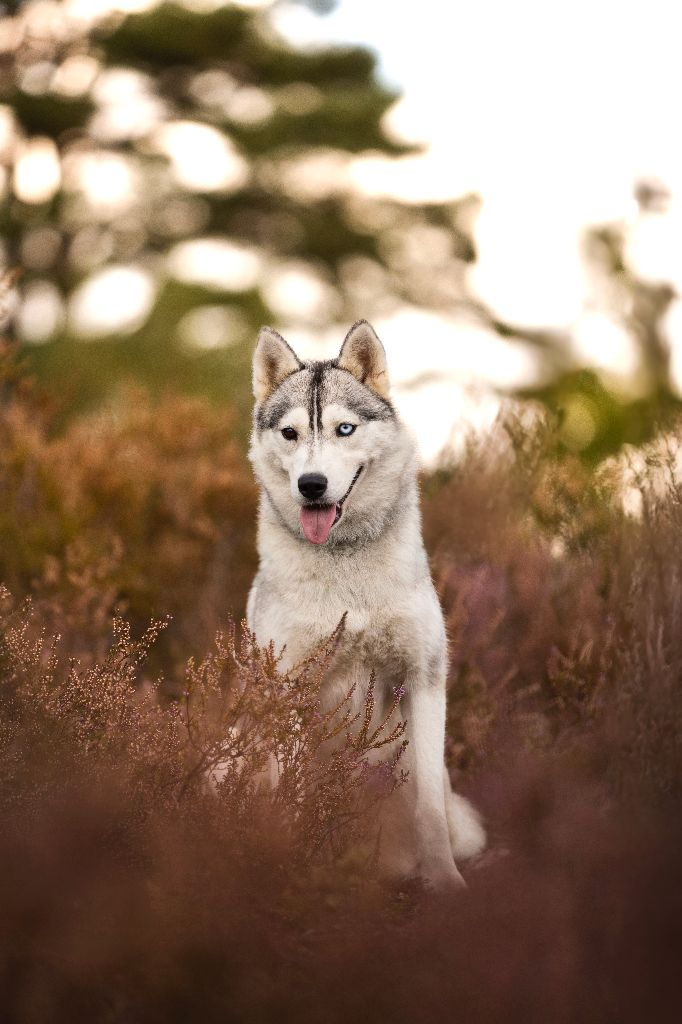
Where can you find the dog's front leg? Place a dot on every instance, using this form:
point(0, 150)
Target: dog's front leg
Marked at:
point(424, 710)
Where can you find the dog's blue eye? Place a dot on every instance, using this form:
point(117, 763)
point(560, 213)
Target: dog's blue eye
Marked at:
point(289, 433)
point(345, 429)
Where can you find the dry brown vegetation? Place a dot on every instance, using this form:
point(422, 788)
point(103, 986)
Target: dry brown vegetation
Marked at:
point(144, 509)
point(132, 890)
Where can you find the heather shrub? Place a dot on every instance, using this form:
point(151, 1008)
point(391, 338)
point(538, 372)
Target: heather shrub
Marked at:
point(124, 812)
point(561, 608)
point(238, 717)
point(149, 870)
point(145, 508)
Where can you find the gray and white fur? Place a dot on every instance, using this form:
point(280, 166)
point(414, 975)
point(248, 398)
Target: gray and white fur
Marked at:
point(339, 533)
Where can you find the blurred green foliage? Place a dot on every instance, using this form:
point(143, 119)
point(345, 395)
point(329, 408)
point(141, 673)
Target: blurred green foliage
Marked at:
point(599, 415)
point(279, 109)
point(97, 97)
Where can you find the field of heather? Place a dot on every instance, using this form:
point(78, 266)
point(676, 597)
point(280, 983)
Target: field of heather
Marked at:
point(496, 188)
point(131, 890)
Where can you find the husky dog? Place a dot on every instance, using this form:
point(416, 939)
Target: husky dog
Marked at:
point(339, 533)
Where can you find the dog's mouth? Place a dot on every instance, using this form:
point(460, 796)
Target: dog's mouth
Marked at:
point(318, 520)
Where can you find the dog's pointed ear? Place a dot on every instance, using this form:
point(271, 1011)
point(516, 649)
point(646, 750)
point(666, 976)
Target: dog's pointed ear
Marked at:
point(362, 354)
point(273, 360)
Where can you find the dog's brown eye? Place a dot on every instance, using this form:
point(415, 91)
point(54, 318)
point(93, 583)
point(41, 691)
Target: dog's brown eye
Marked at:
point(289, 433)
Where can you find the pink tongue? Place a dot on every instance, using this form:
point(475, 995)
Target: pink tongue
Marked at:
point(317, 522)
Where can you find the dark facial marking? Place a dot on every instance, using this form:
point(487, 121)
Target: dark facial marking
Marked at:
point(367, 405)
point(369, 410)
point(318, 370)
point(376, 407)
point(269, 413)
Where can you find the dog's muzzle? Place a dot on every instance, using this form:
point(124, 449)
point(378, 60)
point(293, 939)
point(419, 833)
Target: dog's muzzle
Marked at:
point(317, 519)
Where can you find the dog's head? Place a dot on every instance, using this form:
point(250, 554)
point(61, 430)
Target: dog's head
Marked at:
point(327, 446)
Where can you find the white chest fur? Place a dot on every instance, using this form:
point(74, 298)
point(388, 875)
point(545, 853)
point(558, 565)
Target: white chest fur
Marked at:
point(393, 623)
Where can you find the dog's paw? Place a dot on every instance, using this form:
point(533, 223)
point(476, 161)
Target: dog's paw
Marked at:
point(413, 891)
point(442, 877)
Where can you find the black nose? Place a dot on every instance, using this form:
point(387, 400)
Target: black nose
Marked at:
point(312, 485)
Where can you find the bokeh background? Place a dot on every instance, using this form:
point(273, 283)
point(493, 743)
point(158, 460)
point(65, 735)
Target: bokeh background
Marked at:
point(496, 186)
